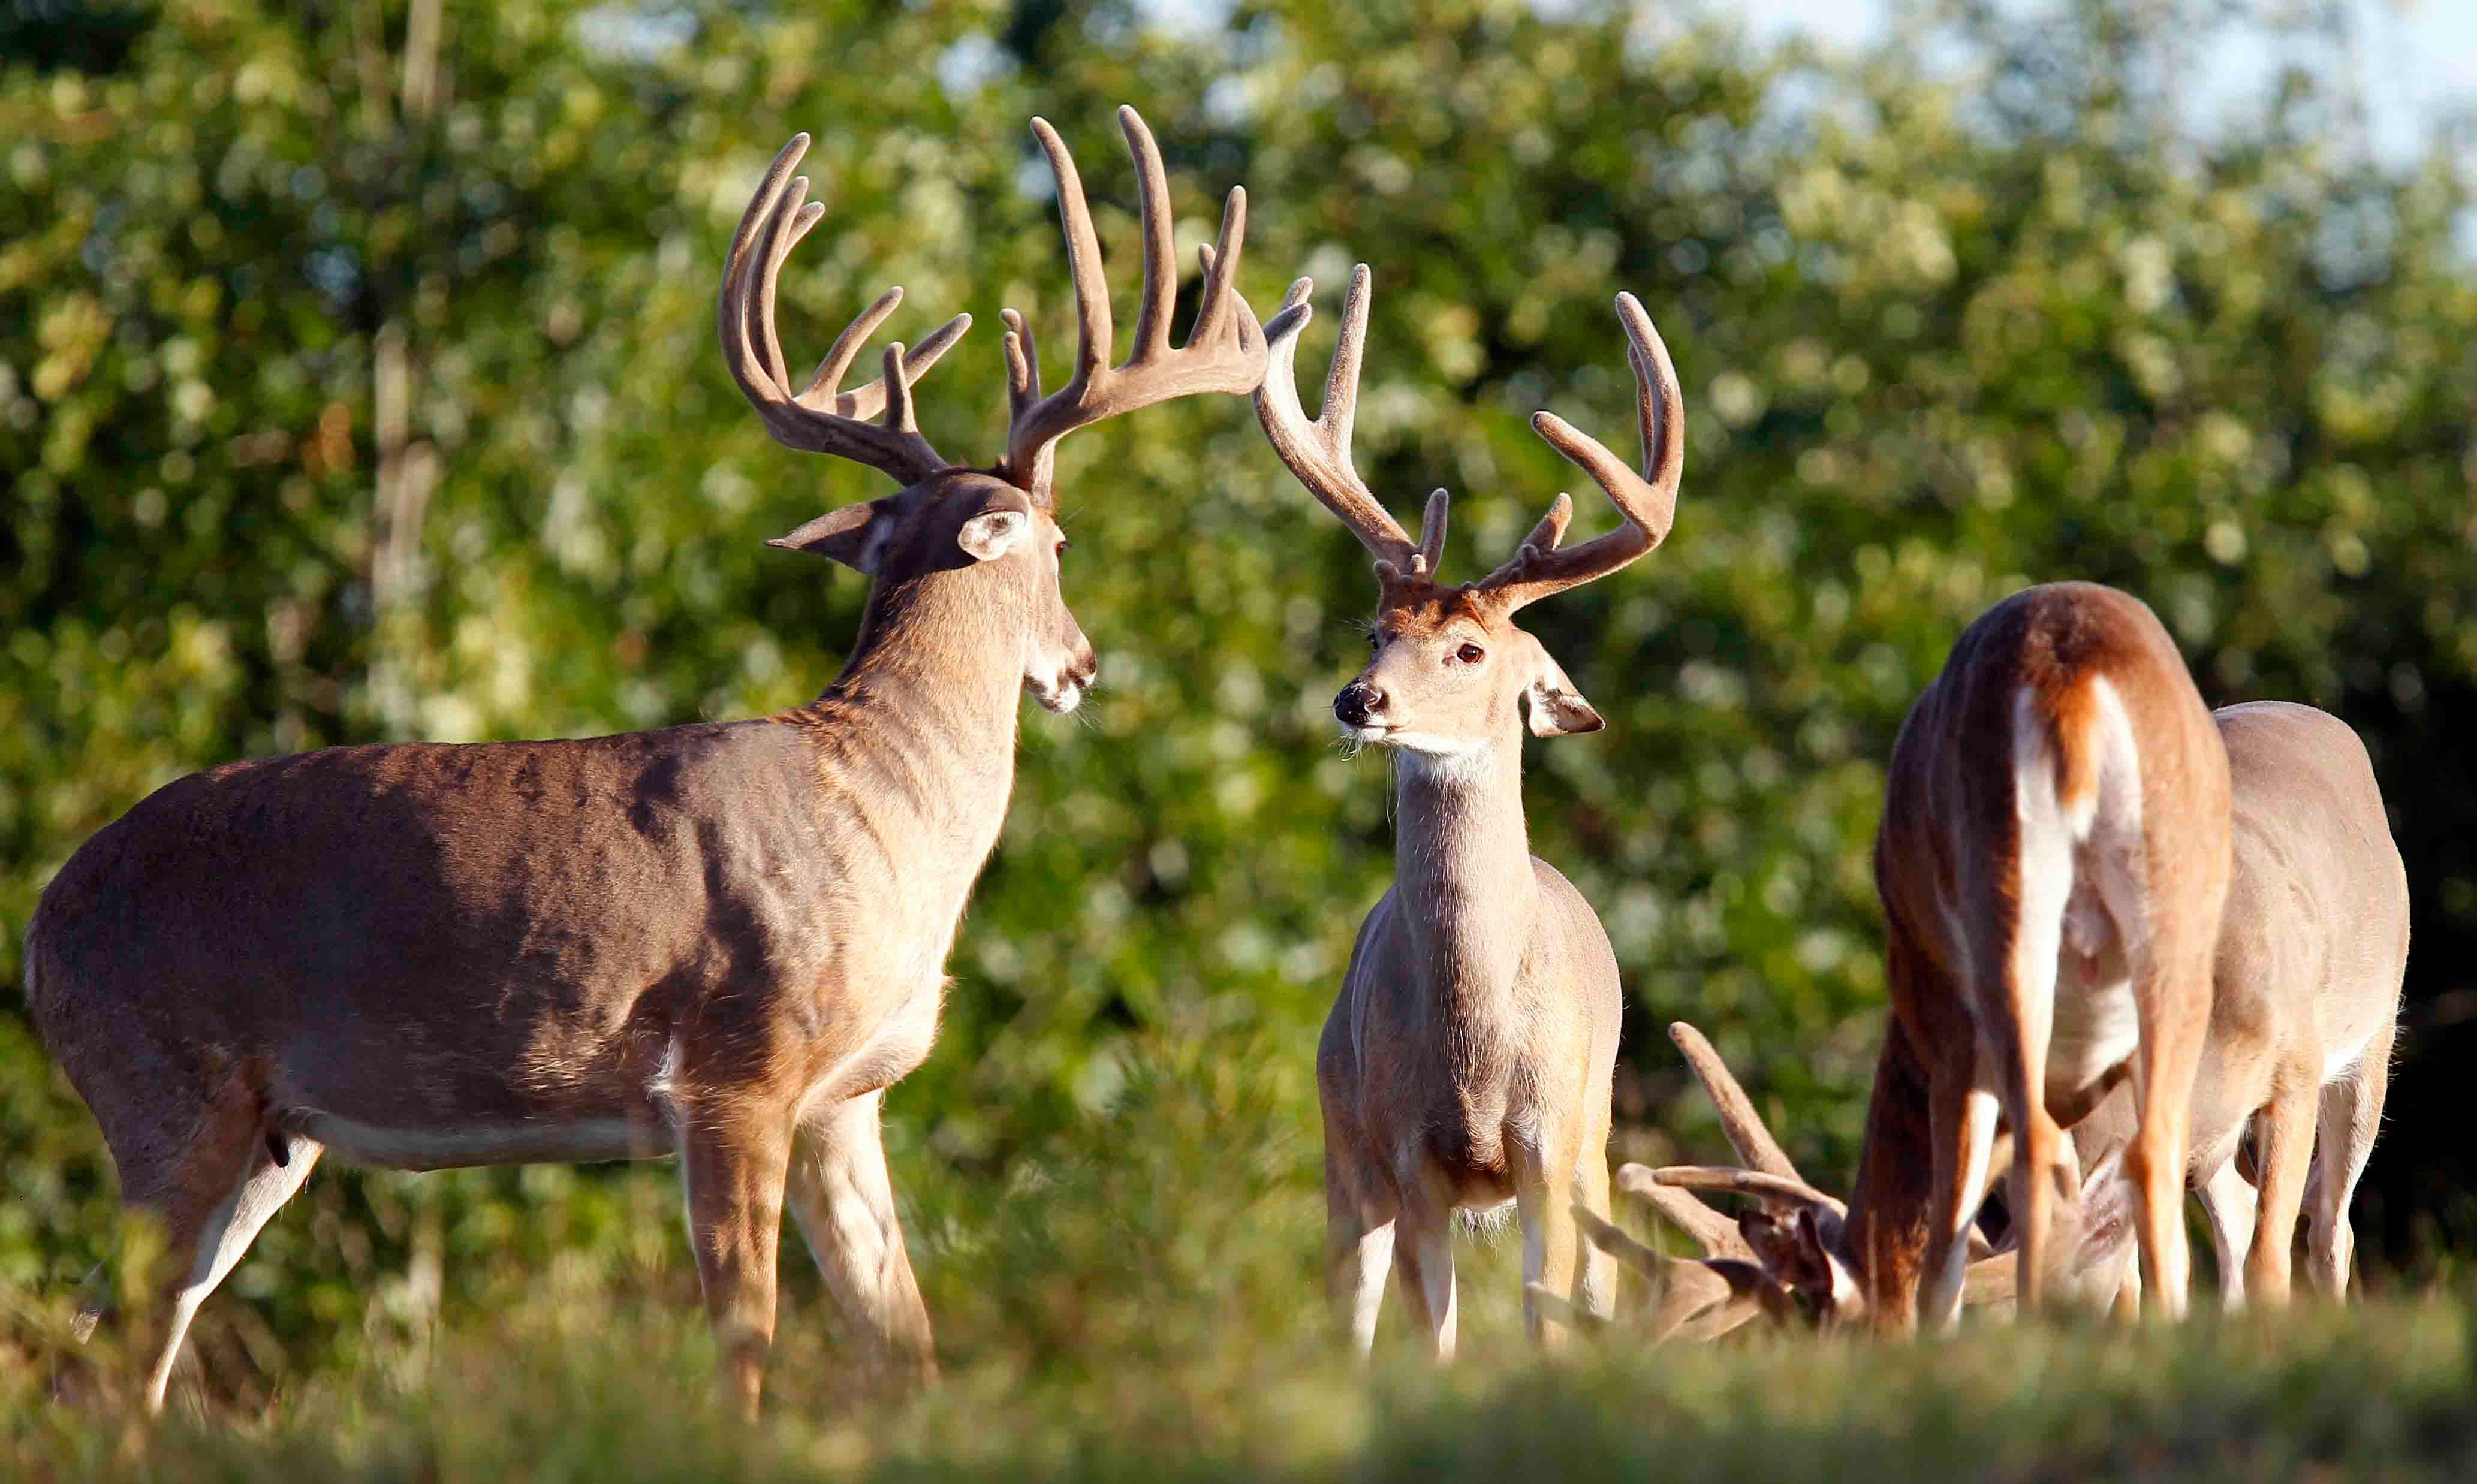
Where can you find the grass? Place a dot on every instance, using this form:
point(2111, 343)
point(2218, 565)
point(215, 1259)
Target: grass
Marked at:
point(608, 1391)
point(1140, 1303)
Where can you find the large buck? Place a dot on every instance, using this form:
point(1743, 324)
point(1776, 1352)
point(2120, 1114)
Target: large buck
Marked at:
point(1469, 1059)
point(723, 941)
point(2305, 995)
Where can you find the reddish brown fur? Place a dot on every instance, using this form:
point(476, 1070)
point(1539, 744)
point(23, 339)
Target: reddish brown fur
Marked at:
point(1947, 855)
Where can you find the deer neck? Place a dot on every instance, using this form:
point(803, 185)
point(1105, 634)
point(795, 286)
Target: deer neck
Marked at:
point(918, 731)
point(1462, 866)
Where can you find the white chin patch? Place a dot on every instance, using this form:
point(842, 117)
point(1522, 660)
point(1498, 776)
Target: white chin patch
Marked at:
point(1424, 744)
point(1059, 696)
point(1365, 733)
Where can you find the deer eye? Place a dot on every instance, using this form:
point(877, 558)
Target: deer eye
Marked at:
point(1375, 638)
point(1470, 653)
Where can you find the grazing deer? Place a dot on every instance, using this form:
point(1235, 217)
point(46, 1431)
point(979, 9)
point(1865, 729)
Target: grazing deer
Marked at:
point(2306, 1001)
point(2306, 986)
point(2053, 863)
point(1468, 1058)
point(723, 941)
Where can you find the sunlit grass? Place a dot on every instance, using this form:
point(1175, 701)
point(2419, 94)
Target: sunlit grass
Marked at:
point(1141, 1300)
point(610, 1390)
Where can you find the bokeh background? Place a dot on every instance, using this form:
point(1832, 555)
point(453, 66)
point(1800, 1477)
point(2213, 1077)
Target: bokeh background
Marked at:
point(358, 382)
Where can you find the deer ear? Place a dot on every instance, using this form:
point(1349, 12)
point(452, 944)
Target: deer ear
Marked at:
point(854, 535)
point(1002, 523)
point(1557, 708)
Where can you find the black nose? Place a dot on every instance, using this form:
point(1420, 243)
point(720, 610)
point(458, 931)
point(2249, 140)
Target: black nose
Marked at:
point(1357, 702)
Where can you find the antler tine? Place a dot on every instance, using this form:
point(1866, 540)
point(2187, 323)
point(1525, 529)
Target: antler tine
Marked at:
point(1714, 1233)
point(821, 419)
point(1688, 1288)
point(1745, 1126)
point(1648, 500)
point(1318, 452)
point(1224, 351)
point(1778, 1190)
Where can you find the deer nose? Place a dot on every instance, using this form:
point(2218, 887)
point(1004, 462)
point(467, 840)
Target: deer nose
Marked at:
point(1357, 702)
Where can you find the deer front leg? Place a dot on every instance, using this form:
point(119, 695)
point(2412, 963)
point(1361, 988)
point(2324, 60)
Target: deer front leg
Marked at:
point(1423, 1256)
point(1357, 1238)
point(839, 1195)
point(732, 1160)
point(2284, 1144)
point(1595, 1288)
point(1544, 1196)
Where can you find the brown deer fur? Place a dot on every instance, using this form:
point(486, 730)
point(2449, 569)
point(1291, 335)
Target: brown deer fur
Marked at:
point(1469, 1059)
point(722, 940)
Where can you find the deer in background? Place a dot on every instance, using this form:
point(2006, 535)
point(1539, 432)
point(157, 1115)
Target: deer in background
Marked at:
point(1469, 1059)
point(723, 941)
point(2305, 996)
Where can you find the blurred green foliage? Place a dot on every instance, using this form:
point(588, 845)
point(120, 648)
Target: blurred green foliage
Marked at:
point(358, 383)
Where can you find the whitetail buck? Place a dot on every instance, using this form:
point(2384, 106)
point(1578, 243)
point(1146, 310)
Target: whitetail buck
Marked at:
point(1468, 1058)
point(723, 941)
point(2306, 985)
point(2053, 864)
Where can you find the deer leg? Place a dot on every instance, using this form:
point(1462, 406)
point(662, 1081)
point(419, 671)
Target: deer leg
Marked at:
point(2018, 909)
point(1543, 1187)
point(2168, 974)
point(1423, 1258)
point(1595, 1286)
point(2228, 1203)
point(209, 1230)
point(839, 1194)
point(1963, 1109)
point(2284, 1136)
point(1359, 1248)
point(2127, 1307)
point(2351, 1116)
point(734, 1161)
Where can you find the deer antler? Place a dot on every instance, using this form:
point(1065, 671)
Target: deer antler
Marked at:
point(1750, 1266)
point(1224, 352)
point(1318, 452)
point(1701, 1298)
point(1745, 1126)
point(1648, 500)
point(822, 419)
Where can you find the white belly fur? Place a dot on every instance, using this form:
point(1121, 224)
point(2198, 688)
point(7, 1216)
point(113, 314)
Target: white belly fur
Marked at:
point(583, 1141)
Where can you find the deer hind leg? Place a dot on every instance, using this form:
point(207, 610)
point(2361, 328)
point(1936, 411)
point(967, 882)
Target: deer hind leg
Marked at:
point(2351, 1116)
point(1544, 1193)
point(734, 1161)
point(2229, 1202)
point(838, 1192)
point(1962, 1110)
point(2172, 976)
point(2284, 1142)
point(2018, 909)
point(212, 1194)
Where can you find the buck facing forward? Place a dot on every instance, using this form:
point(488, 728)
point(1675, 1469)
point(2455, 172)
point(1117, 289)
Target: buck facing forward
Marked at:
point(724, 941)
point(1469, 1059)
